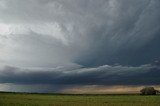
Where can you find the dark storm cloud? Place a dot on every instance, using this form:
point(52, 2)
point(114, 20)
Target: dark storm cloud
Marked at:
point(103, 75)
point(93, 33)
point(131, 35)
point(101, 42)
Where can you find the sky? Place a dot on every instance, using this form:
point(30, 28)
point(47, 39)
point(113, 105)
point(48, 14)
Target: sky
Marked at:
point(62, 45)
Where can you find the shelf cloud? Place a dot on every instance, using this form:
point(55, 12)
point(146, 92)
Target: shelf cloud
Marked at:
point(102, 75)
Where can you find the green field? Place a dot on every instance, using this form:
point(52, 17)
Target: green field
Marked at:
point(14, 99)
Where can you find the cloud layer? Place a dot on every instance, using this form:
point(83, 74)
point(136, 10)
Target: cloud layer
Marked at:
point(103, 75)
point(85, 32)
point(79, 42)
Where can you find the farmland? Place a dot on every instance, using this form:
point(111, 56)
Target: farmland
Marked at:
point(22, 99)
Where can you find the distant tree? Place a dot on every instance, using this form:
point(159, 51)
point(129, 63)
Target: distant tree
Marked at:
point(149, 91)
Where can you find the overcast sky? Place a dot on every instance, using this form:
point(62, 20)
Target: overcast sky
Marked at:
point(66, 43)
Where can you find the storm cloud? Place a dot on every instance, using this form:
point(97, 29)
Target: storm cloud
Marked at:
point(80, 42)
point(103, 75)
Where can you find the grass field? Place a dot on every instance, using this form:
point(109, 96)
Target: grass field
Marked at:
point(15, 99)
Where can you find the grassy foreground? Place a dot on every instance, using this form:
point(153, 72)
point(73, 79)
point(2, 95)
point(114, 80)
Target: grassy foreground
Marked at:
point(14, 99)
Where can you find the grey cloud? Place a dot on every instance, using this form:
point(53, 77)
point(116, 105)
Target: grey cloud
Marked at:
point(35, 50)
point(78, 38)
point(103, 75)
point(96, 32)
